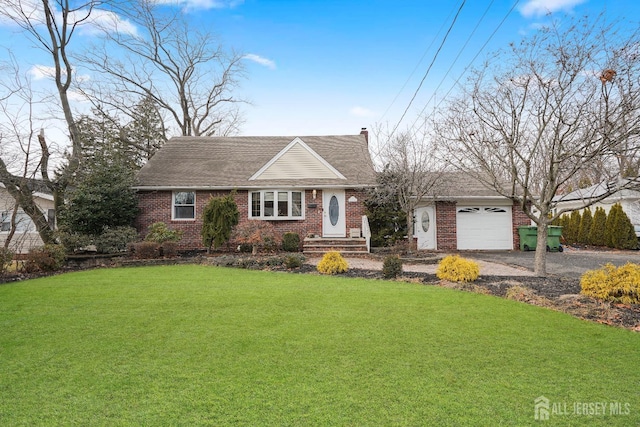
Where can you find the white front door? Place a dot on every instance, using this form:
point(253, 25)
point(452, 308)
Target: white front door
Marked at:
point(334, 220)
point(425, 227)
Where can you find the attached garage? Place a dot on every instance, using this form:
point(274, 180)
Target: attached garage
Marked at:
point(484, 227)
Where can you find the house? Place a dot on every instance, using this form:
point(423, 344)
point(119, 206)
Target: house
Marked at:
point(628, 198)
point(310, 185)
point(25, 235)
point(464, 214)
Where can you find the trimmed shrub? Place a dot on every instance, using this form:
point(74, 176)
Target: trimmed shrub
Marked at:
point(392, 267)
point(144, 250)
point(332, 263)
point(160, 233)
point(45, 258)
point(615, 284)
point(6, 259)
point(116, 239)
point(291, 242)
point(169, 249)
point(598, 228)
point(74, 242)
point(293, 261)
point(457, 269)
point(585, 226)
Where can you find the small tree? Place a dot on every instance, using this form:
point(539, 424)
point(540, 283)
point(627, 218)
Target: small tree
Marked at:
point(103, 198)
point(259, 234)
point(620, 232)
point(585, 226)
point(219, 217)
point(572, 229)
point(610, 226)
point(598, 226)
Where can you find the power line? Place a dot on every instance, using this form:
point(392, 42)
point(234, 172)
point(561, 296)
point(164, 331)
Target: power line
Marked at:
point(419, 63)
point(457, 57)
point(429, 68)
point(469, 64)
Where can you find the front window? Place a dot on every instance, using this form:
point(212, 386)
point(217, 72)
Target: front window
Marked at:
point(184, 205)
point(276, 204)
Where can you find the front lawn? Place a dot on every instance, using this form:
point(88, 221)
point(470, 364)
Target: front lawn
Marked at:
point(190, 345)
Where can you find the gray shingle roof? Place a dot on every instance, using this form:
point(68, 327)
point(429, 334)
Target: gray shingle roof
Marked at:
point(229, 162)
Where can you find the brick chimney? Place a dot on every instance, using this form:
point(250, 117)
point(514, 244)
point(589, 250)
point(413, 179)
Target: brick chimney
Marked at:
point(365, 132)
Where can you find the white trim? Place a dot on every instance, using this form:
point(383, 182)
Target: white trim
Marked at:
point(282, 152)
point(275, 217)
point(173, 205)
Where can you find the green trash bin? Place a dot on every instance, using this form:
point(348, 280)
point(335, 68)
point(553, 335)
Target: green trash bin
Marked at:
point(554, 232)
point(528, 237)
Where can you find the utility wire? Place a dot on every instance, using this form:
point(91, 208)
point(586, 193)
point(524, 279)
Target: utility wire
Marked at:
point(429, 68)
point(469, 64)
point(444, 22)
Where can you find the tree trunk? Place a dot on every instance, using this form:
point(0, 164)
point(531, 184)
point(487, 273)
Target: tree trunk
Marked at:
point(540, 264)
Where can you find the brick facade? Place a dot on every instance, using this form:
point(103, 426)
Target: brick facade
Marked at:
point(155, 206)
point(446, 227)
point(446, 235)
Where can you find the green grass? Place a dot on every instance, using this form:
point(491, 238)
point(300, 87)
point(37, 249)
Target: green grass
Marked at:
point(196, 345)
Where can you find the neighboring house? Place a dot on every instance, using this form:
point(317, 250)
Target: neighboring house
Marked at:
point(310, 185)
point(628, 199)
point(25, 236)
point(466, 215)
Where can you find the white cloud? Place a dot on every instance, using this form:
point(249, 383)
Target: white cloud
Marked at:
point(107, 21)
point(361, 112)
point(40, 72)
point(542, 7)
point(190, 5)
point(261, 60)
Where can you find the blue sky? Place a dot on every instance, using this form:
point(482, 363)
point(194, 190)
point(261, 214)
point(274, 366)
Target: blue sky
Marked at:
point(332, 67)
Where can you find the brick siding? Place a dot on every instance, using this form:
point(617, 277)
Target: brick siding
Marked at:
point(446, 227)
point(155, 206)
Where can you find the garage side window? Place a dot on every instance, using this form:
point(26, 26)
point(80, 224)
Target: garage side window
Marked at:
point(184, 205)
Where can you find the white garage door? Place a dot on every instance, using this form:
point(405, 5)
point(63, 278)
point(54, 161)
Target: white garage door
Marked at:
point(484, 227)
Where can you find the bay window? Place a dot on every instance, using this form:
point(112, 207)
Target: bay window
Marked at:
point(276, 204)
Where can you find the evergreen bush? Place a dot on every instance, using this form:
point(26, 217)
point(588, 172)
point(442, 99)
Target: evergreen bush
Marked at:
point(457, 269)
point(392, 267)
point(570, 231)
point(585, 226)
point(291, 242)
point(620, 232)
point(116, 239)
point(615, 284)
point(160, 233)
point(610, 226)
point(332, 263)
point(598, 228)
point(219, 217)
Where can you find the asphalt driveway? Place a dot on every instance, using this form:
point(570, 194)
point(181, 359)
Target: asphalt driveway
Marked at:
point(572, 262)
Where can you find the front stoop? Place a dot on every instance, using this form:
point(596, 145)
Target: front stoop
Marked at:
point(347, 246)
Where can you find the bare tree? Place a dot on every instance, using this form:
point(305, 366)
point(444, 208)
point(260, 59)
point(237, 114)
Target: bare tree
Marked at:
point(560, 103)
point(20, 155)
point(413, 171)
point(51, 25)
point(185, 73)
